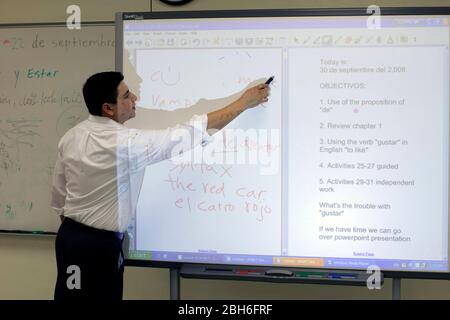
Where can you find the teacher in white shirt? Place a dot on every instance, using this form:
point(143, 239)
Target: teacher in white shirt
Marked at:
point(94, 176)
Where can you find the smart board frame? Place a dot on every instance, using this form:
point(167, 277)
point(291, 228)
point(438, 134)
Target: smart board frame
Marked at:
point(389, 11)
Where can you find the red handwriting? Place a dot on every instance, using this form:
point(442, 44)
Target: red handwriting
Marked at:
point(217, 170)
point(246, 200)
point(212, 189)
point(260, 210)
point(183, 203)
point(161, 103)
point(178, 185)
point(257, 195)
point(208, 188)
point(217, 207)
point(202, 206)
point(232, 145)
point(163, 77)
point(248, 79)
point(245, 80)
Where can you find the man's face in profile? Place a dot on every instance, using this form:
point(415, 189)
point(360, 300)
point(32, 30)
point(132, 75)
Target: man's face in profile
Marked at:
point(125, 108)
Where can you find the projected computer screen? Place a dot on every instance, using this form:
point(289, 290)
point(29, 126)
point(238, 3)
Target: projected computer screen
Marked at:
point(346, 165)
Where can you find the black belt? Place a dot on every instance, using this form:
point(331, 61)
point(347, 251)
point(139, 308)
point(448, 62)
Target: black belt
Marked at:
point(71, 222)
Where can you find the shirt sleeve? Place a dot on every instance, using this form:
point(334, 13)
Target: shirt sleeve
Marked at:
point(150, 146)
point(59, 186)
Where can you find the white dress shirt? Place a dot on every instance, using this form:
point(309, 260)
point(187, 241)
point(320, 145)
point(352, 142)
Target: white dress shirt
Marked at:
point(100, 167)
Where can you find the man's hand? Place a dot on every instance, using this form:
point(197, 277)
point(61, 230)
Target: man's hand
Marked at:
point(249, 99)
point(255, 95)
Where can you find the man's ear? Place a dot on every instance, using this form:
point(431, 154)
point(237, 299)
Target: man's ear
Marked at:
point(107, 109)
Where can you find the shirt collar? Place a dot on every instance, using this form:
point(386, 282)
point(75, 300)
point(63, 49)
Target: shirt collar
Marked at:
point(105, 121)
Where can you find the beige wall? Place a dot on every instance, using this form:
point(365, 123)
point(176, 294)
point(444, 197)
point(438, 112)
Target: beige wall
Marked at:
point(281, 4)
point(27, 263)
point(25, 11)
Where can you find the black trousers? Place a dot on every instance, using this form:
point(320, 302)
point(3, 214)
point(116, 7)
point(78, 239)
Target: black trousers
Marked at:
point(89, 262)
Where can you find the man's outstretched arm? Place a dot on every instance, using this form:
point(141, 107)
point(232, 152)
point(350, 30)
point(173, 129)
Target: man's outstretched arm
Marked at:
point(251, 98)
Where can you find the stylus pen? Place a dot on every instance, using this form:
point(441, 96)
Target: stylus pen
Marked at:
point(270, 80)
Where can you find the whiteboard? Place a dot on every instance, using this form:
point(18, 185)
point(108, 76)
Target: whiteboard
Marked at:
point(364, 121)
point(42, 71)
point(233, 184)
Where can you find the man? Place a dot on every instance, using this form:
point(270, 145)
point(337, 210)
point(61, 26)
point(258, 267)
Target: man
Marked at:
point(93, 178)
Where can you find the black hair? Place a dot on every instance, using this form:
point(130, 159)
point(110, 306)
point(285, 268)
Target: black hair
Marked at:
point(101, 88)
